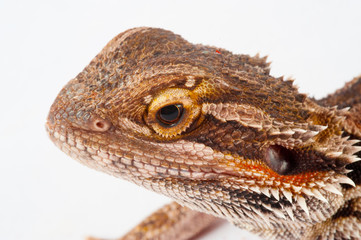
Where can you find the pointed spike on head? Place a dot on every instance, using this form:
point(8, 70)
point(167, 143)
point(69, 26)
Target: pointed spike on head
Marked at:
point(307, 192)
point(331, 188)
point(288, 195)
point(309, 134)
point(275, 193)
point(255, 189)
point(268, 207)
point(289, 81)
point(320, 183)
point(302, 203)
point(290, 78)
point(354, 141)
point(290, 213)
point(319, 195)
point(345, 138)
point(352, 159)
point(334, 154)
point(355, 149)
point(297, 188)
point(346, 180)
point(265, 191)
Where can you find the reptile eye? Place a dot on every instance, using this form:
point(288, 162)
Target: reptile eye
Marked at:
point(280, 159)
point(173, 111)
point(171, 114)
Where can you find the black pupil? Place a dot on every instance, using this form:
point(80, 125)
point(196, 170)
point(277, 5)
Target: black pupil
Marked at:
point(171, 114)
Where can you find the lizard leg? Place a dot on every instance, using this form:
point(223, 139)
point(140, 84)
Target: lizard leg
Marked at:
point(172, 221)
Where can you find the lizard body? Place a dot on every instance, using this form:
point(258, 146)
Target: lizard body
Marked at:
point(217, 133)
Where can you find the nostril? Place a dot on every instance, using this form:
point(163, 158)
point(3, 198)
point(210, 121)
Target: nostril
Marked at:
point(100, 125)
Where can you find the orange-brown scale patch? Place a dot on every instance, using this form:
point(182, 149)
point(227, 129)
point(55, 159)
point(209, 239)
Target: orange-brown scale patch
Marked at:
point(263, 172)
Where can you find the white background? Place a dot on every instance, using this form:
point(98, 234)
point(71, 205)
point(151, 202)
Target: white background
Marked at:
point(43, 44)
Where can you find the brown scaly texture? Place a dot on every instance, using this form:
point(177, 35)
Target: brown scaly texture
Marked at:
point(219, 135)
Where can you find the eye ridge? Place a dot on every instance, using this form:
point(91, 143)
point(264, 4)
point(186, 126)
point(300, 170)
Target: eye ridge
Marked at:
point(170, 115)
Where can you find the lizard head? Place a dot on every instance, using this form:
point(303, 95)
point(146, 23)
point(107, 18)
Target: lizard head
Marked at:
point(200, 123)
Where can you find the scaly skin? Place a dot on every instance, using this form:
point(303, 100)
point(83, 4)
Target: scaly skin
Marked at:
point(215, 132)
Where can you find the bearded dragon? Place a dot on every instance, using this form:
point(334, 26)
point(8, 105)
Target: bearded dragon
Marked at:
point(218, 134)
